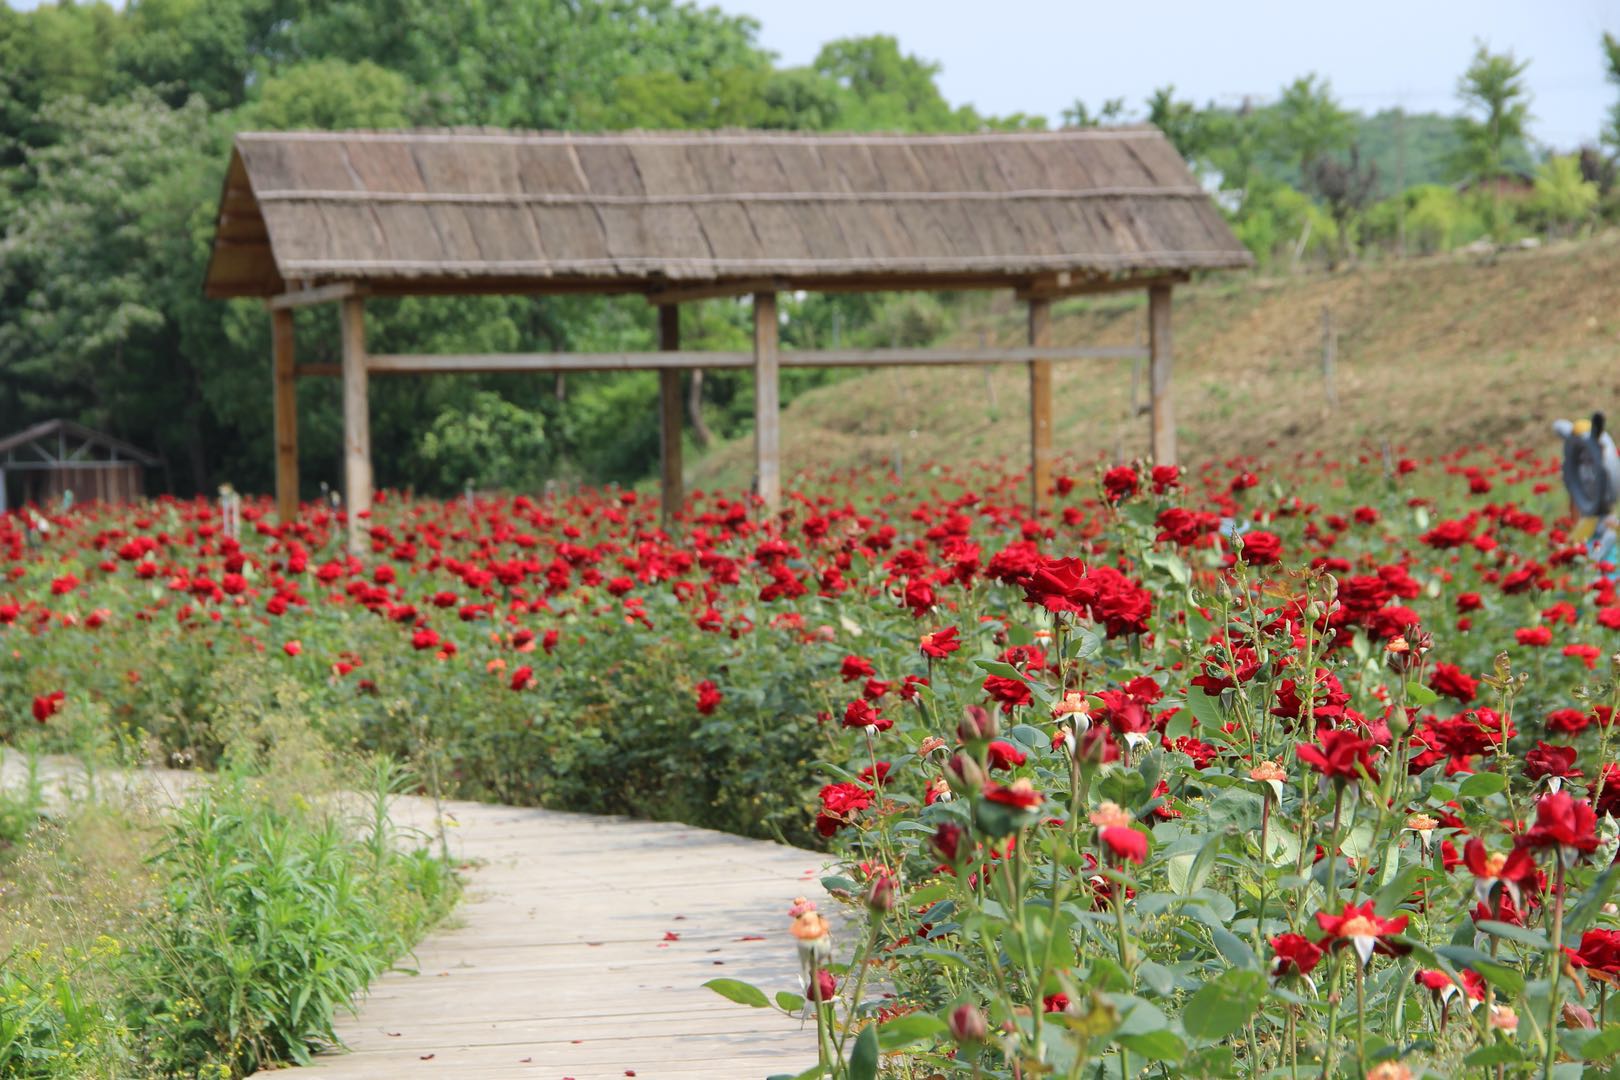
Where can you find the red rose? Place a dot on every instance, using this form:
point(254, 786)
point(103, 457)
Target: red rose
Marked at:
point(1545, 760)
point(48, 705)
point(1338, 755)
point(523, 678)
point(940, 643)
point(708, 697)
point(1120, 483)
point(1534, 636)
point(1261, 548)
point(1565, 823)
point(1295, 955)
point(1125, 842)
point(293, 648)
point(1004, 755)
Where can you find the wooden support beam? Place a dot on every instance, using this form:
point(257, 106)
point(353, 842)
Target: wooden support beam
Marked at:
point(285, 375)
point(767, 404)
point(1066, 284)
point(320, 294)
point(1040, 409)
point(950, 356)
point(712, 290)
point(424, 364)
point(673, 488)
point(1159, 370)
point(356, 421)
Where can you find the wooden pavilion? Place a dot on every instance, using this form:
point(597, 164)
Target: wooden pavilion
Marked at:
point(336, 217)
point(55, 457)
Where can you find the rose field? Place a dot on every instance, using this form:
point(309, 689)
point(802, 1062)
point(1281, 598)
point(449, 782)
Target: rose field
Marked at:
point(1232, 771)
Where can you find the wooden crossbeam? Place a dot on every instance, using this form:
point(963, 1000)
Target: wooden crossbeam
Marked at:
point(1062, 285)
point(419, 364)
point(428, 363)
point(712, 290)
point(319, 294)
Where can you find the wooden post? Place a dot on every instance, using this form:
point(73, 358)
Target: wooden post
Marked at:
point(1040, 408)
point(767, 403)
point(356, 421)
point(286, 414)
point(1330, 350)
point(673, 490)
point(1164, 410)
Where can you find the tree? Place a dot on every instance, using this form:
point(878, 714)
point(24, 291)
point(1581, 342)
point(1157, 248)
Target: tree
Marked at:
point(1347, 187)
point(1307, 122)
point(1493, 92)
point(330, 95)
point(1182, 123)
point(1563, 196)
point(1611, 64)
point(104, 257)
point(1112, 111)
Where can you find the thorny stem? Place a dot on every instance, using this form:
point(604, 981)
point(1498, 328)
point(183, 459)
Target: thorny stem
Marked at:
point(1555, 969)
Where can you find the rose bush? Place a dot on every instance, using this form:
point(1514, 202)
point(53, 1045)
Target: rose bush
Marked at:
point(1232, 771)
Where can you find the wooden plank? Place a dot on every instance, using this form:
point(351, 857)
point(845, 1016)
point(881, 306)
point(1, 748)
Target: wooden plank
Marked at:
point(426, 363)
point(1159, 371)
point(1065, 283)
point(947, 356)
point(320, 294)
point(420, 364)
point(285, 376)
point(767, 404)
point(1040, 408)
point(490, 1001)
point(710, 290)
point(673, 489)
point(356, 421)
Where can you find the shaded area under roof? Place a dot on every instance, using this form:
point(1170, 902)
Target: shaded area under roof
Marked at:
point(490, 211)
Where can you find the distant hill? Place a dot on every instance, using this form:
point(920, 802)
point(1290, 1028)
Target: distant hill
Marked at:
point(1433, 354)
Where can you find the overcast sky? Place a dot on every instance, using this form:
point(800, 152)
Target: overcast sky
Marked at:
point(1037, 56)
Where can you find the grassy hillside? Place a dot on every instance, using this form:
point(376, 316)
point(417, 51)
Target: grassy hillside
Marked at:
point(1432, 355)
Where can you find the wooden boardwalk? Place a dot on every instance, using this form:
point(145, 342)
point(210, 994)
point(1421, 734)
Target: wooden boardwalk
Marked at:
point(581, 950)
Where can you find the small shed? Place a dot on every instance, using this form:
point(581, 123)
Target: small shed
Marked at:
point(57, 456)
point(342, 216)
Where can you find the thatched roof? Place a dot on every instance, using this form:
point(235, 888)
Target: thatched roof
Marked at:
point(424, 211)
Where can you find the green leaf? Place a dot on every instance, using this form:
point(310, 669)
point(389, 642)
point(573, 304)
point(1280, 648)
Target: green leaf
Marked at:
point(789, 1002)
point(902, 1031)
point(1224, 1005)
point(740, 992)
point(1420, 695)
point(1234, 948)
point(1482, 784)
point(1585, 913)
point(1502, 1053)
point(1523, 935)
point(863, 1057)
point(1162, 1045)
point(1605, 1043)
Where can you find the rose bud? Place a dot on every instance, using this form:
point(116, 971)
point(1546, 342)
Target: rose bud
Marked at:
point(968, 1025)
point(977, 724)
point(966, 774)
point(880, 893)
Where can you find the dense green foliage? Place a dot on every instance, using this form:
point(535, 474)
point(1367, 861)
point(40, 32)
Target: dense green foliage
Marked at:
point(215, 938)
point(115, 126)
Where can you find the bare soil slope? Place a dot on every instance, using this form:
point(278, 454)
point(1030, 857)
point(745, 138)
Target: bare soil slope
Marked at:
point(1432, 355)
